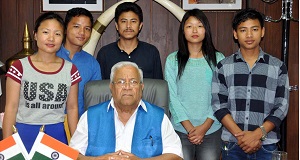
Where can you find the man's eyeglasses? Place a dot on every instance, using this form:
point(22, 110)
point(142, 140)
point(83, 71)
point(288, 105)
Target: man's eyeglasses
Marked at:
point(122, 83)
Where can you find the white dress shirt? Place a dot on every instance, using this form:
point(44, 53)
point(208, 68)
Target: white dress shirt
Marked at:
point(171, 141)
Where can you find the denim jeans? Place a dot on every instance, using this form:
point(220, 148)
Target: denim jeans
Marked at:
point(231, 151)
point(210, 149)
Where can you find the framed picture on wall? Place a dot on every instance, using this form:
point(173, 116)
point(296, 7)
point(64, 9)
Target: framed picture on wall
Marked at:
point(212, 4)
point(65, 5)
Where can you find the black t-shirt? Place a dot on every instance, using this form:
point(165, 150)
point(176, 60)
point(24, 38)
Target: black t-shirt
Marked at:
point(146, 56)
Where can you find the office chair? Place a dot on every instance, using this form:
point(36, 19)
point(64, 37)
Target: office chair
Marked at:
point(155, 91)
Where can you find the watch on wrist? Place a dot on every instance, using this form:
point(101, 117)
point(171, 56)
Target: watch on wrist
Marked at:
point(264, 136)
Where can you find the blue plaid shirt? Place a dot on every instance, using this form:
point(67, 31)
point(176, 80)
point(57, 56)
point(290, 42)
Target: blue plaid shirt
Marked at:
point(251, 95)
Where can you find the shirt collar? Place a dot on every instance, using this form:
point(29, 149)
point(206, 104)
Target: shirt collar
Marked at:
point(261, 58)
point(64, 49)
point(119, 47)
point(67, 51)
point(112, 105)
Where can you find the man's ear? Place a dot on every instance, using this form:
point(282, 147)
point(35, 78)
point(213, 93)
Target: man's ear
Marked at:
point(141, 26)
point(116, 24)
point(262, 32)
point(234, 34)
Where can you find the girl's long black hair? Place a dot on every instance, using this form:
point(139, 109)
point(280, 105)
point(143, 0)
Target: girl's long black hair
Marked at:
point(208, 48)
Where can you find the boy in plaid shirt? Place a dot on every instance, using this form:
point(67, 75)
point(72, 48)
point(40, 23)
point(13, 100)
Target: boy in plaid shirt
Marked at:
point(250, 93)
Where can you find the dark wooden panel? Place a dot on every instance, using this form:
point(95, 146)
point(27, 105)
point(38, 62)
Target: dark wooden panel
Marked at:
point(293, 114)
point(2, 60)
point(225, 42)
point(211, 16)
point(160, 30)
point(10, 42)
point(273, 31)
point(146, 32)
point(37, 11)
point(172, 35)
point(25, 15)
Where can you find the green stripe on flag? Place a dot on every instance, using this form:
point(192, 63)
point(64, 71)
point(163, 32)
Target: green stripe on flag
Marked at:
point(39, 156)
point(17, 157)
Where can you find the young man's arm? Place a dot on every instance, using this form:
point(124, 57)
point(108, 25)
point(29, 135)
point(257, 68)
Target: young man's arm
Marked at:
point(281, 101)
point(250, 141)
point(230, 125)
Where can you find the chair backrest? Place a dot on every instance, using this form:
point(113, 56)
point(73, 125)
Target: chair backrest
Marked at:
point(155, 91)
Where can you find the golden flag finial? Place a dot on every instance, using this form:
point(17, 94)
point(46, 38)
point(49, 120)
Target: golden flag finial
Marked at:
point(42, 129)
point(15, 130)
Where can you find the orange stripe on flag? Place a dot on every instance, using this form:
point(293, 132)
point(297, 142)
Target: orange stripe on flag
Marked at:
point(59, 146)
point(6, 143)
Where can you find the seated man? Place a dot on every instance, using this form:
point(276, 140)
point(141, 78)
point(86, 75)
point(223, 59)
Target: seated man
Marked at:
point(126, 127)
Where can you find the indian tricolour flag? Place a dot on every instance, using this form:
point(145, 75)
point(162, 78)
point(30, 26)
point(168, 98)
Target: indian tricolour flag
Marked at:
point(47, 148)
point(12, 148)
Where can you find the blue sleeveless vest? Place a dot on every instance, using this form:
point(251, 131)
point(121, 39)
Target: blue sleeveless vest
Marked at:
point(146, 140)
